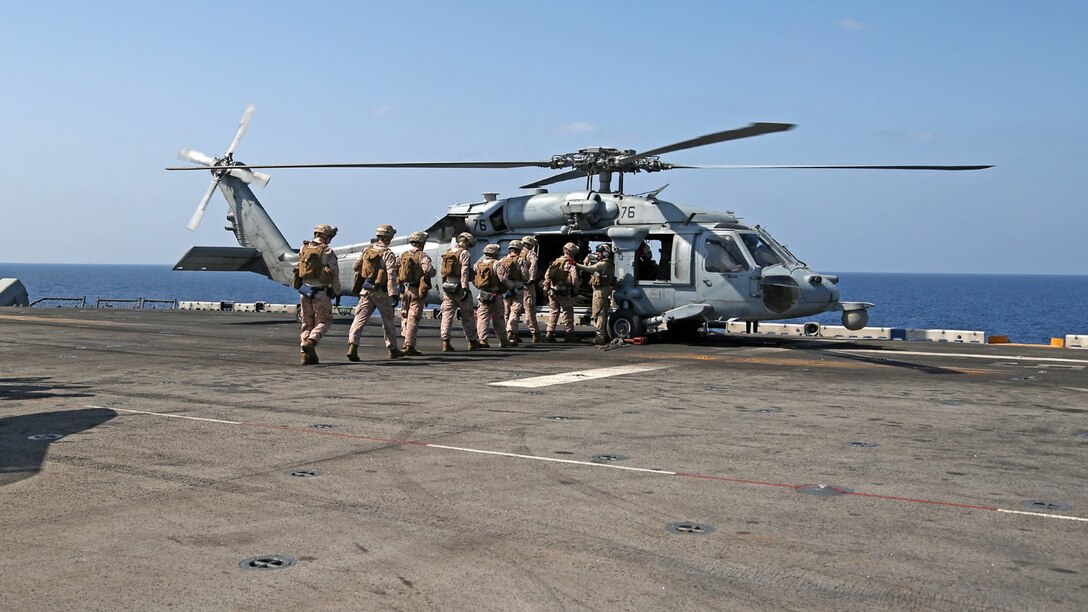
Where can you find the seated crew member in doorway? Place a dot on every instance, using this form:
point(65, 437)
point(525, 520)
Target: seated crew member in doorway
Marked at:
point(645, 265)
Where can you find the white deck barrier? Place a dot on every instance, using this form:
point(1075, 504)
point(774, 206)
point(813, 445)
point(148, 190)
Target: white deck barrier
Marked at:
point(815, 330)
point(947, 335)
point(206, 306)
point(865, 333)
point(796, 330)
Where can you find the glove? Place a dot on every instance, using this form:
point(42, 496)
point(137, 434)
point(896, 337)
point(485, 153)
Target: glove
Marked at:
point(396, 300)
point(368, 284)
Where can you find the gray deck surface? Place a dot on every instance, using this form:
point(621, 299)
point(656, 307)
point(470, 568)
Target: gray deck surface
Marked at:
point(441, 491)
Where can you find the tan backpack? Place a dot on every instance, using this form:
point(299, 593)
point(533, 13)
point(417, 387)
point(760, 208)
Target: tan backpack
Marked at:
point(373, 267)
point(451, 264)
point(486, 279)
point(311, 263)
point(557, 273)
point(410, 270)
point(513, 268)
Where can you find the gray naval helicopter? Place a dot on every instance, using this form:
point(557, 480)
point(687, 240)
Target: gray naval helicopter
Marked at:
point(678, 267)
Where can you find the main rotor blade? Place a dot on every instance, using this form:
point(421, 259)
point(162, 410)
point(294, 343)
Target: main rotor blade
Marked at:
point(200, 208)
point(471, 164)
point(248, 176)
point(241, 129)
point(752, 129)
point(826, 167)
point(196, 157)
point(558, 178)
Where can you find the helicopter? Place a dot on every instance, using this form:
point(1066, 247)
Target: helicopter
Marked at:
point(678, 268)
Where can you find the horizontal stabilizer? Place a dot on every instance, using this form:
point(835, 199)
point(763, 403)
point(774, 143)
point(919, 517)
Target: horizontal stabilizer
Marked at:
point(223, 259)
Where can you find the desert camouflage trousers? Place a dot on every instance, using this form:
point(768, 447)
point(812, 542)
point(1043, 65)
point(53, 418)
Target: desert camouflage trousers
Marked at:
point(449, 311)
point(316, 316)
point(369, 301)
point(494, 311)
point(560, 305)
point(514, 306)
point(529, 301)
point(602, 301)
point(411, 313)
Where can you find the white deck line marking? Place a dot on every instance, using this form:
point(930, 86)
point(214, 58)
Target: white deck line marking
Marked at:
point(1057, 516)
point(569, 377)
point(553, 459)
point(990, 357)
point(172, 416)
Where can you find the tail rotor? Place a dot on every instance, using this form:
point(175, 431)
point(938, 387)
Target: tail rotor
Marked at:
point(222, 166)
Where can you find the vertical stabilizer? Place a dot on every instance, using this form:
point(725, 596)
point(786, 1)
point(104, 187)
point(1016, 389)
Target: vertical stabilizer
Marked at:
point(253, 228)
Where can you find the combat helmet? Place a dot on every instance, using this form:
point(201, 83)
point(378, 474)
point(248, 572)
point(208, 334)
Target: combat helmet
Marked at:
point(516, 244)
point(529, 240)
point(571, 248)
point(385, 231)
point(326, 229)
point(468, 238)
point(417, 237)
point(491, 249)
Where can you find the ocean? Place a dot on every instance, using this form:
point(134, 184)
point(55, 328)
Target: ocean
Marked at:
point(1026, 308)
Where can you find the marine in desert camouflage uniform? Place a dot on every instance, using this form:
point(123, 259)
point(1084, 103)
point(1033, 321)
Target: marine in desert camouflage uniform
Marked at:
point(514, 304)
point(415, 274)
point(602, 279)
point(561, 290)
point(493, 281)
point(455, 292)
point(377, 266)
point(532, 282)
point(317, 307)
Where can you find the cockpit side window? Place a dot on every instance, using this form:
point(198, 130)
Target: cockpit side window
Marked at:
point(723, 255)
point(762, 253)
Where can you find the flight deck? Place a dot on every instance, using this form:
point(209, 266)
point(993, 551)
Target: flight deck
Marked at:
point(179, 458)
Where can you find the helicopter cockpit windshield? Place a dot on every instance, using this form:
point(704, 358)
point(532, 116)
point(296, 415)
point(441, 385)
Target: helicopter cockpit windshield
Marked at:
point(764, 250)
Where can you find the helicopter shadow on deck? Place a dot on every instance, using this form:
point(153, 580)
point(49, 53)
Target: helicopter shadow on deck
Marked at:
point(37, 387)
point(22, 457)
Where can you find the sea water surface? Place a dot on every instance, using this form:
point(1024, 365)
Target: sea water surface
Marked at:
point(1026, 308)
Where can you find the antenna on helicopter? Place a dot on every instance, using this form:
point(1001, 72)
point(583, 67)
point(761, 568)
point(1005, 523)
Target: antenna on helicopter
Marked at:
point(222, 166)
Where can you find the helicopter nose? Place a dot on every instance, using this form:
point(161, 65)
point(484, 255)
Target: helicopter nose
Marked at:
point(819, 288)
point(780, 292)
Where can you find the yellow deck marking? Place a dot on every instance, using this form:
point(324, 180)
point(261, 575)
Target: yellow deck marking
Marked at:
point(32, 318)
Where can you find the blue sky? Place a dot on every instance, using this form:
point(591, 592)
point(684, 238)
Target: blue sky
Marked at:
point(100, 96)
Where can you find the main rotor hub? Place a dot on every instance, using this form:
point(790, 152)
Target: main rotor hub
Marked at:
point(594, 160)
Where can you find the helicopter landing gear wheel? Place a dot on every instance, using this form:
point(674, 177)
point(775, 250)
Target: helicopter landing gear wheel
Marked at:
point(624, 324)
